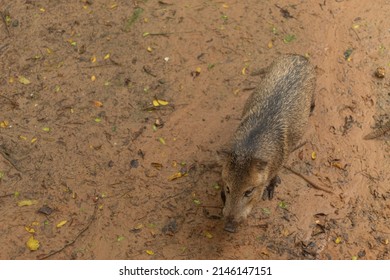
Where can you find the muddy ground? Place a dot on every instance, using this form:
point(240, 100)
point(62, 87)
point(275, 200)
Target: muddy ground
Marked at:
point(107, 174)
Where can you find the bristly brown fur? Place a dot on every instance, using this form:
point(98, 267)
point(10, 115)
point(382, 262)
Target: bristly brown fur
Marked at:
point(274, 119)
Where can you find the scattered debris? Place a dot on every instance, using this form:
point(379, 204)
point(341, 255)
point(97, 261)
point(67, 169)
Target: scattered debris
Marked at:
point(380, 131)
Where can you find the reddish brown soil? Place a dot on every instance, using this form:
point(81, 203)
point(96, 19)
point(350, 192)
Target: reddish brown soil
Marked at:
point(105, 170)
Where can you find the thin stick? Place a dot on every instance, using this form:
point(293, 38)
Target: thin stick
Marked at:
point(3, 17)
point(308, 180)
point(42, 257)
point(6, 157)
point(6, 195)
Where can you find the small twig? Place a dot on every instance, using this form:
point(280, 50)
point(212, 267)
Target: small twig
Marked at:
point(380, 131)
point(357, 35)
point(148, 71)
point(13, 103)
point(3, 47)
point(6, 195)
point(308, 180)
point(209, 206)
point(166, 34)
point(299, 146)
point(42, 257)
point(10, 161)
point(3, 17)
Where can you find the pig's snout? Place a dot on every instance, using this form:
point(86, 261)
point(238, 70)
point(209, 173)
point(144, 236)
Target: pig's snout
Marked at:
point(231, 225)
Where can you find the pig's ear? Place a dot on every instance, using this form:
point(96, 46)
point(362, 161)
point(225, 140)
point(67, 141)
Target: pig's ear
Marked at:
point(259, 164)
point(223, 155)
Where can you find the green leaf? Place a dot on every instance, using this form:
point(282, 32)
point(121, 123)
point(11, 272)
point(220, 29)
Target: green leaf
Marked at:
point(289, 38)
point(133, 18)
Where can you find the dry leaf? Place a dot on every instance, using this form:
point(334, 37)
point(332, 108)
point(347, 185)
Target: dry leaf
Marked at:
point(208, 234)
point(175, 176)
point(27, 202)
point(29, 229)
point(24, 80)
point(62, 223)
point(149, 252)
point(32, 244)
point(4, 124)
point(97, 103)
point(159, 102)
point(313, 155)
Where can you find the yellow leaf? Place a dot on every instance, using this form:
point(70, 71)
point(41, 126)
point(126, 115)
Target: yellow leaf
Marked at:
point(197, 201)
point(23, 80)
point(313, 155)
point(29, 229)
point(338, 240)
point(32, 244)
point(23, 137)
point(163, 102)
point(107, 56)
point(139, 226)
point(159, 102)
point(198, 70)
point(93, 78)
point(27, 202)
point(42, 10)
point(270, 44)
point(46, 129)
point(243, 71)
point(225, 6)
point(62, 223)
point(4, 124)
point(337, 165)
point(175, 176)
point(93, 59)
point(149, 252)
point(33, 140)
point(208, 234)
point(149, 49)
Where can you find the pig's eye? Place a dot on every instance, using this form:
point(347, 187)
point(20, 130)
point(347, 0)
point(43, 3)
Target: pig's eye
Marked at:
point(248, 193)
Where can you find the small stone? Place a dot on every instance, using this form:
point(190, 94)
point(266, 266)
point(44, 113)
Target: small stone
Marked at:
point(45, 210)
point(380, 72)
point(134, 163)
